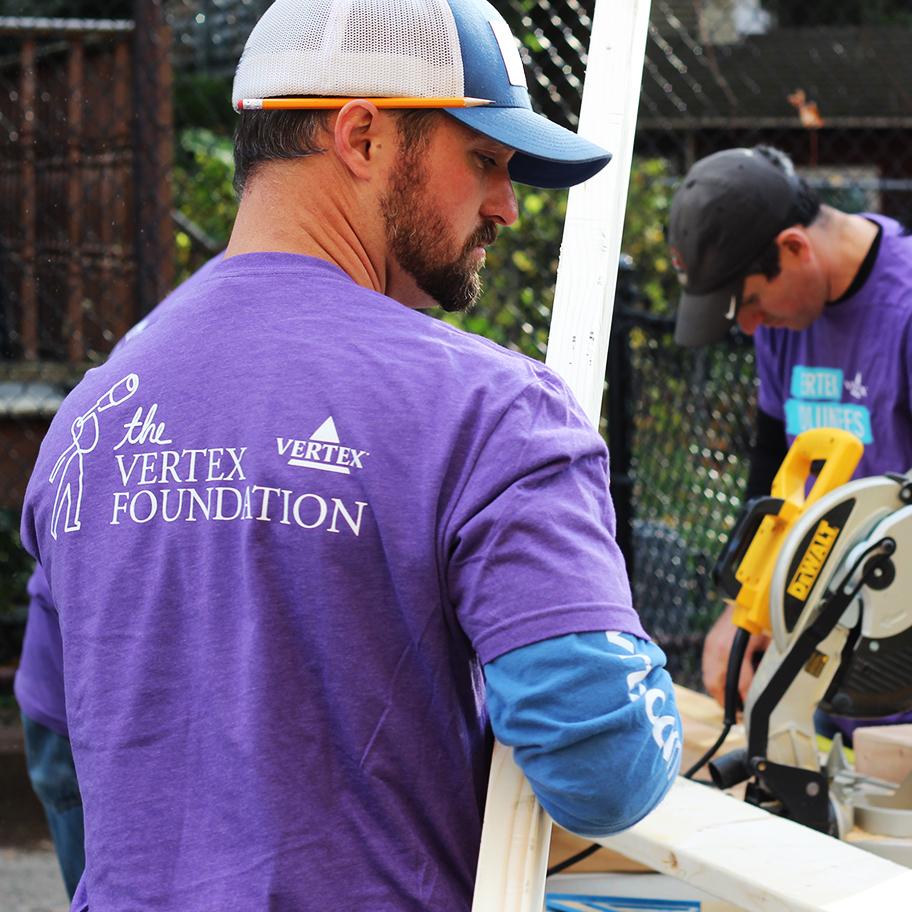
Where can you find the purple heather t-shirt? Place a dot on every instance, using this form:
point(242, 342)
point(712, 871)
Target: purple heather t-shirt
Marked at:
point(283, 528)
point(39, 678)
point(38, 683)
point(852, 368)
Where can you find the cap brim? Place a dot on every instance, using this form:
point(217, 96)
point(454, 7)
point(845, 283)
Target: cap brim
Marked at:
point(547, 154)
point(704, 319)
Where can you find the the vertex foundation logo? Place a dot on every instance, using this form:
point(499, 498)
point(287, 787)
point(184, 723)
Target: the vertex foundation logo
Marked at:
point(322, 450)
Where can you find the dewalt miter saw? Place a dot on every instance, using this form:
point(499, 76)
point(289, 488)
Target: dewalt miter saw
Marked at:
point(827, 573)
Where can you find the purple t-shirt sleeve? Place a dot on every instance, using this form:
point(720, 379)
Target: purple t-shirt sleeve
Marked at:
point(771, 396)
point(532, 552)
point(39, 678)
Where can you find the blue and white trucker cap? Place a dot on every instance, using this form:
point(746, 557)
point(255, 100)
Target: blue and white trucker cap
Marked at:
point(428, 49)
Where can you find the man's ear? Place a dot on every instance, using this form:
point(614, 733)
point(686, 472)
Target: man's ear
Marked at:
point(363, 138)
point(794, 241)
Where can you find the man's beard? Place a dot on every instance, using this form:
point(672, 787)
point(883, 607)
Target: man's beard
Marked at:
point(422, 241)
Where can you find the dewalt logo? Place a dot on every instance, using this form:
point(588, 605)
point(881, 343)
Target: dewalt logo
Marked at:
point(813, 560)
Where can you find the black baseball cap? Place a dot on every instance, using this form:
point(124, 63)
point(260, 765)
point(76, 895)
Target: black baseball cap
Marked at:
point(730, 206)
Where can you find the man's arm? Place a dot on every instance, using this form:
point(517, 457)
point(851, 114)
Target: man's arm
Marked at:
point(593, 724)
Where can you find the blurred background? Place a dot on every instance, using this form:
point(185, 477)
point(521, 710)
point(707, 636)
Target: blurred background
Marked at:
point(115, 184)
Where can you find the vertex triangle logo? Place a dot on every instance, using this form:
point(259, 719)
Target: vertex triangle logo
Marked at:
point(322, 450)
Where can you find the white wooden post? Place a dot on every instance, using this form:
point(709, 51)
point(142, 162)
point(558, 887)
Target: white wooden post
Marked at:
point(516, 834)
point(591, 245)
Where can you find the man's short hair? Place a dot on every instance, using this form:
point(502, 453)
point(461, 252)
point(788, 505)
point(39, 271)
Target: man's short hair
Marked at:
point(806, 211)
point(264, 136)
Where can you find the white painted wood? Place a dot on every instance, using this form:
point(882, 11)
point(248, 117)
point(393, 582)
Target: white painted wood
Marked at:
point(759, 862)
point(515, 837)
point(591, 246)
point(513, 859)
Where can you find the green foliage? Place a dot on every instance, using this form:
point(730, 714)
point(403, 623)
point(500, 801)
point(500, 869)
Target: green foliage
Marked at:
point(16, 563)
point(204, 195)
point(648, 203)
point(521, 269)
point(202, 100)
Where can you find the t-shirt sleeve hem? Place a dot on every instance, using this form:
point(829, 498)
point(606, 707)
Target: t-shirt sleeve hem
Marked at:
point(37, 714)
point(554, 622)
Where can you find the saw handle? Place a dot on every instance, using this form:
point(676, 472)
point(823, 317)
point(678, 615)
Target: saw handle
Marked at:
point(755, 511)
point(747, 567)
point(838, 450)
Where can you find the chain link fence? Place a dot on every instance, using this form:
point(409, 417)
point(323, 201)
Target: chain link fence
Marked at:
point(115, 182)
point(828, 83)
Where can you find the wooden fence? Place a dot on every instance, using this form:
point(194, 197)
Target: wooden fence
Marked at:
point(85, 233)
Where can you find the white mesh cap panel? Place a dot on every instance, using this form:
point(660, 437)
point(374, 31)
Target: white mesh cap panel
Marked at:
point(372, 48)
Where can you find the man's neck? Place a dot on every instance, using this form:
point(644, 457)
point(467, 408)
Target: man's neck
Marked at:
point(284, 210)
point(847, 240)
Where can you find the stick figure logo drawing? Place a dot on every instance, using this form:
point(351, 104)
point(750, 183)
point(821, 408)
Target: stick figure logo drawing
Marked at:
point(68, 470)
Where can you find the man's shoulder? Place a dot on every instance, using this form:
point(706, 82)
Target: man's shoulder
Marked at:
point(891, 227)
point(889, 290)
point(511, 373)
point(895, 246)
point(769, 341)
point(474, 345)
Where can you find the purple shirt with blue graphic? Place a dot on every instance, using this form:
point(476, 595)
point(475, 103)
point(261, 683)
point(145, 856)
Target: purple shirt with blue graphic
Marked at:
point(852, 368)
point(283, 527)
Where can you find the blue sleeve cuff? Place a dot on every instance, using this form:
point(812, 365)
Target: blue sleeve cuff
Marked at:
point(593, 724)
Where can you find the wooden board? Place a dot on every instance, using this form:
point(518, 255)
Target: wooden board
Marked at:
point(740, 853)
point(511, 872)
point(884, 751)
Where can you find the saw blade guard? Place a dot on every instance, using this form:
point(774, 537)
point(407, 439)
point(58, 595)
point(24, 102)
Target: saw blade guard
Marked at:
point(816, 549)
point(744, 572)
point(833, 574)
point(876, 677)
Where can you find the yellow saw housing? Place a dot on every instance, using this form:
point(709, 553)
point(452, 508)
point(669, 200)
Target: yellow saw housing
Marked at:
point(840, 452)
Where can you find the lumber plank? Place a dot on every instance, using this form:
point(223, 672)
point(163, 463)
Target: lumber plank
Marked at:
point(578, 351)
point(746, 856)
point(512, 859)
point(884, 751)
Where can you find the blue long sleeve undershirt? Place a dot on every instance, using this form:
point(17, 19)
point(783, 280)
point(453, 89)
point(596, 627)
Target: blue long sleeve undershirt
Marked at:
point(593, 724)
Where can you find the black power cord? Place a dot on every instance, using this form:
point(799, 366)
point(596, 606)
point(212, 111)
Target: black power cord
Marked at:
point(573, 859)
point(732, 698)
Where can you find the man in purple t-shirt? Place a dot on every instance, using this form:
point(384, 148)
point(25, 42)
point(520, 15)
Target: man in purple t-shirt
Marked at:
point(308, 547)
point(828, 298)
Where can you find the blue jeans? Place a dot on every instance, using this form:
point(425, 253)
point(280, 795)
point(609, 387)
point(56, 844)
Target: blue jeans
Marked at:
point(50, 768)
